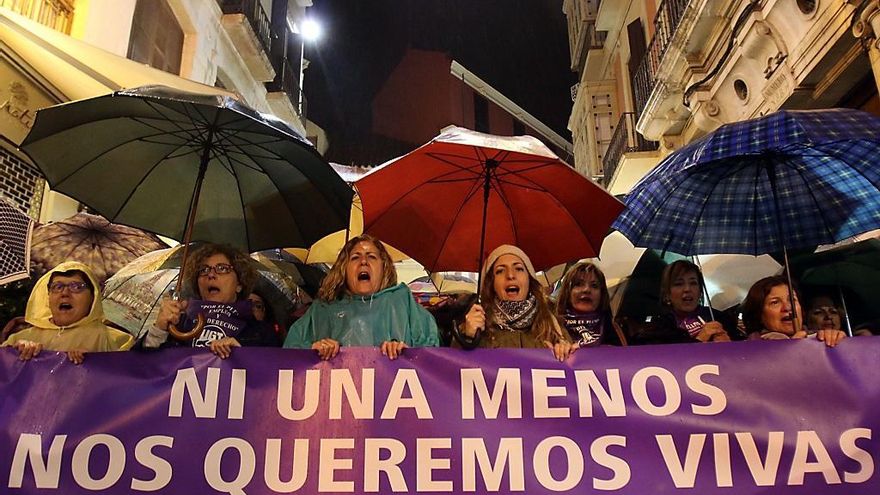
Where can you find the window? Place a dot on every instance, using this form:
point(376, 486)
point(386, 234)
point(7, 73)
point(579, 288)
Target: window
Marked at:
point(156, 37)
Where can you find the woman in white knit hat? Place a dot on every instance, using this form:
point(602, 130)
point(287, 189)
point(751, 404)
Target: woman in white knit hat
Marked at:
point(514, 311)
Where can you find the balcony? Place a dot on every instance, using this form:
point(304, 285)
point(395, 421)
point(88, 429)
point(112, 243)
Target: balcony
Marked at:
point(624, 140)
point(250, 30)
point(665, 25)
point(56, 14)
point(582, 26)
point(286, 87)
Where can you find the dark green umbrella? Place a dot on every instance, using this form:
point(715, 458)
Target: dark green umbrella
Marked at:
point(190, 167)
point(852, 270)
point(640, 296)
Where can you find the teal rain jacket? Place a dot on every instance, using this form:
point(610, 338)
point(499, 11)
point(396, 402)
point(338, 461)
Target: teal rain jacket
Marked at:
point(366, 321)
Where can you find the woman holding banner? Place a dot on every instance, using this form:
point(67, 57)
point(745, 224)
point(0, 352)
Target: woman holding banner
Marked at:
point(221, 277)
point(768, 315)
point(584, 308)
point(360, 303)
point(65, 314)
point(514, 311)
point(684, 319)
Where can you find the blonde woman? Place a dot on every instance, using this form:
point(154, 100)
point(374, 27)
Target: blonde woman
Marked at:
point(360, 303)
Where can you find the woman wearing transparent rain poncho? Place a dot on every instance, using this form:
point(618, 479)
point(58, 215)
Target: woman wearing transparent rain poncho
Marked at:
point(360, 303)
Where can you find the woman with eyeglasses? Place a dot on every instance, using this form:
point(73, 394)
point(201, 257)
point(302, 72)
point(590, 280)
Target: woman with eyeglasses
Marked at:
point(65, 314)
point(220, 277)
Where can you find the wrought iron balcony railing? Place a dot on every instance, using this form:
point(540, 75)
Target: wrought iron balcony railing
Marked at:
point(624, 140)
point(665, 24)
point(287, 81)
point(256, 16)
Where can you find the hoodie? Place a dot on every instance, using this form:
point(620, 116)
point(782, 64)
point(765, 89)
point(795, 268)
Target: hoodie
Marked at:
point(88, 334)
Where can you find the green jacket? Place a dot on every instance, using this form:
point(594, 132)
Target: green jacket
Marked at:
point(366, 321)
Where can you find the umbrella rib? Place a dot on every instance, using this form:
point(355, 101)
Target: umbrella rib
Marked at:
point(461, 168)
point(813, 196)
point(844, 160)
point(240, 200)
point(709, 195)
point(541, 189)
point(755, 211)
point(80, 167)
point(475, 187)
point(654, 214)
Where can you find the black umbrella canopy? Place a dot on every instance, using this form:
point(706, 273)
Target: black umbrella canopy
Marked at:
point(140, 157)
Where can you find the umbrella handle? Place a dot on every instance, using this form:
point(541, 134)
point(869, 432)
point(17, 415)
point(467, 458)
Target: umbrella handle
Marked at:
point(187, 336)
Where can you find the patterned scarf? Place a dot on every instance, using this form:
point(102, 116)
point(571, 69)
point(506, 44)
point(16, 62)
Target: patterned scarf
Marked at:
point(513, 316)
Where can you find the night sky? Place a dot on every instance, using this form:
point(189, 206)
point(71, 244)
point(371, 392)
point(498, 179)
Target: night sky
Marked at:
point(518, 46)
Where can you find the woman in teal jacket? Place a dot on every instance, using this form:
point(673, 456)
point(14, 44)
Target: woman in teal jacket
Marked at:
point(360, 303)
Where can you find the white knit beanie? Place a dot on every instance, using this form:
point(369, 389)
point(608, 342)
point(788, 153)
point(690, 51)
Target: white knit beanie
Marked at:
point(507, 249)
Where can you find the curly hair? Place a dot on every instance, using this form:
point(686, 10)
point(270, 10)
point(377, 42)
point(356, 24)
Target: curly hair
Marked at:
point(577, 275)
point(334, 286)
point(545, 323)
point(753, 305)
point(673, 271)
point(241, 263)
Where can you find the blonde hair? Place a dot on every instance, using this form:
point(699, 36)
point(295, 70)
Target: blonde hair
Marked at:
point(334, 286)
point(545, 323)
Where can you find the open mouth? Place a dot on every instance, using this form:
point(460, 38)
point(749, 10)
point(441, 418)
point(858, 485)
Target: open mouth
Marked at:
point(787, 318)
point(363, 276)
point(511, 290)
point(65, 306)
point(213, 290)
point(585, 299)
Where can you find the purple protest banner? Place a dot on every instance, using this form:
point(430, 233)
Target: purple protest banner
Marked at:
point(750, 417)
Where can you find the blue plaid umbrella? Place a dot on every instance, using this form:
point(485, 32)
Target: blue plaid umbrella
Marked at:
point(791, 179)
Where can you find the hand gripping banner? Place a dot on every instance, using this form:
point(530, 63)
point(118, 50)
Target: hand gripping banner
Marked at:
point(752, 417)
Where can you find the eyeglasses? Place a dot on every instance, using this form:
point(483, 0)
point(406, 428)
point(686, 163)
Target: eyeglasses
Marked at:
point(219, 269)
point(75, 287)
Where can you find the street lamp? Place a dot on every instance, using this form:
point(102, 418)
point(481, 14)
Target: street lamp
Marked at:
point(311, 30)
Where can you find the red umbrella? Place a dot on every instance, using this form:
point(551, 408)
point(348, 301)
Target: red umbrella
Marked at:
point(454, 199)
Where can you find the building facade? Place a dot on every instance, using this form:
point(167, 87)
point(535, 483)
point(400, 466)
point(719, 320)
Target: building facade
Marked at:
point(248, 47)
point(656, 74)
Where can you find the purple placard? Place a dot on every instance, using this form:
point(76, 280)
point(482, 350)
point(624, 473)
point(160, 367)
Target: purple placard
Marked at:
point(749, 417)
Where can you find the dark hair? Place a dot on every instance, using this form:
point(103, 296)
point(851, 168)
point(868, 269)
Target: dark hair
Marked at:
point(270, 313)
point(241, 263)
point(578, 275)
point(673, 271)
point(753, 305)
point(72, 273)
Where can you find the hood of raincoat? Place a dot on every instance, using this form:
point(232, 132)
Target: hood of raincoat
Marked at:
point(38, 312)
